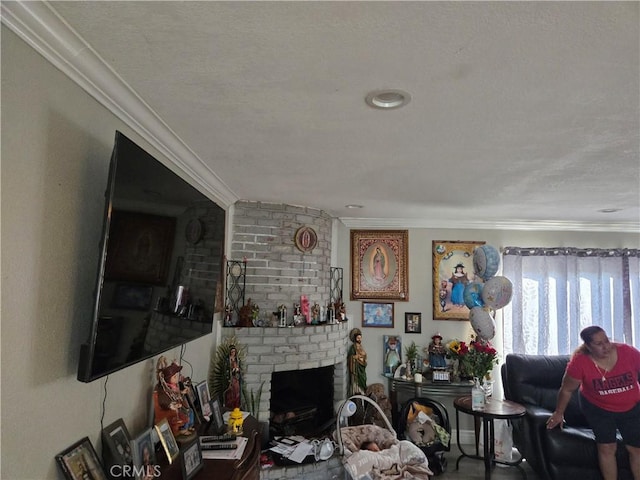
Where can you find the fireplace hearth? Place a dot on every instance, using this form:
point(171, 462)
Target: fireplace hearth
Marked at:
point(302, 401)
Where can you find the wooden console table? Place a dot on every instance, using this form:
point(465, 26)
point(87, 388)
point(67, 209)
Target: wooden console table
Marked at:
point(246, 468)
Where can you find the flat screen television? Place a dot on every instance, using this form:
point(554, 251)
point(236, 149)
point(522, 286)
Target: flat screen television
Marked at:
point(159, 264)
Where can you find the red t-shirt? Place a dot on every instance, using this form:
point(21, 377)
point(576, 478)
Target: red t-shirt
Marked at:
point(620, 391)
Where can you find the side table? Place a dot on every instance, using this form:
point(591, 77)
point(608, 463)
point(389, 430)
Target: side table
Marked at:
point(493, 409)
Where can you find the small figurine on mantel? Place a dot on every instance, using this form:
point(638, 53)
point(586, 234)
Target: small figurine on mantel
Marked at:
point(315, 314)
point(170, 400)
point(437, 352)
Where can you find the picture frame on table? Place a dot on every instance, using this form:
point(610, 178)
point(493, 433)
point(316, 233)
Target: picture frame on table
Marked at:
point(80, 461)
point(376, 314)
point(379, 265)
point(116, 443)
point(205, 399)
point(412, 322)
point(192, 461)
point(216, 417)
point(452, 270)
point(167, 439)
point(144, 456)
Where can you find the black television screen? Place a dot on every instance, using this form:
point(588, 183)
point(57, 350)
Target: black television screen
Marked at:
point(159, 266)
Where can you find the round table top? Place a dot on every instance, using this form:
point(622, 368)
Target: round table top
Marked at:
point(494, 408)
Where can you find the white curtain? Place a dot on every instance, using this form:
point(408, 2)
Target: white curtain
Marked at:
point(559, 291)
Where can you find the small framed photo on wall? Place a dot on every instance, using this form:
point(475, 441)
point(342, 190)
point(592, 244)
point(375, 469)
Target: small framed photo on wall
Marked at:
point(412, 322)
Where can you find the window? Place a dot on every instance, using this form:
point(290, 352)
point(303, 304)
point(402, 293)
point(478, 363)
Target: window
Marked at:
point(559, 291)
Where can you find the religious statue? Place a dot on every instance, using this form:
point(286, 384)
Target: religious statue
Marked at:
point(437, 352)
point(357, 363)
point(234, 372)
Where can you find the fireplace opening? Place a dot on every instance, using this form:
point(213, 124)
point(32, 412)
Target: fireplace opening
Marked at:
point(301, 402)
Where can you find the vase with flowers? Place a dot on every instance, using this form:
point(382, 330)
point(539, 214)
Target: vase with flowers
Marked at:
point(475, 359)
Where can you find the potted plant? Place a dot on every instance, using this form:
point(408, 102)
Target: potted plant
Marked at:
point(411, 352)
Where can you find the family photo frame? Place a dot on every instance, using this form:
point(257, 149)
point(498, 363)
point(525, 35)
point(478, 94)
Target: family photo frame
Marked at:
point(167, 440)
point(205, 399)
point(144, 455)
point(192, 461)
point(379, 267)
point(116, 443)
point(412, 322)
point(452, 271)
point(80, 461)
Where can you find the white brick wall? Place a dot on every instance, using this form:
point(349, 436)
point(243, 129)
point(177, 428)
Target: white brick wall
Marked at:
point(273, 349)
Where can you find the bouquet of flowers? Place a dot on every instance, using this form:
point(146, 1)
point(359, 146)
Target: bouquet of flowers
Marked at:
point(475, 359)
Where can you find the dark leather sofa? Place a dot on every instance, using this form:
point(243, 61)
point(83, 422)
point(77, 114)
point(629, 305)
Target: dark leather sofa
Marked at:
point(558, 454)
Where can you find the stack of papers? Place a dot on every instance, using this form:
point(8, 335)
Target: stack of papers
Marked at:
point(234, 454)
point(294, 448)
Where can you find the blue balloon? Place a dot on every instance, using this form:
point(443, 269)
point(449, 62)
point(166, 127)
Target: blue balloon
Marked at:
point(486, 261)
point(472, 295)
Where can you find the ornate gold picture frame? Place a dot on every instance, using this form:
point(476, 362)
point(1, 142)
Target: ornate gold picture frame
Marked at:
point(452, 270)
point(379, 264)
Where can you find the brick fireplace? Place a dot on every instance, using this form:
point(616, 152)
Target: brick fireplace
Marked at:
point(272, 349)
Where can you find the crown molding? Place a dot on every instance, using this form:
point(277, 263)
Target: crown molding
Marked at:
point(474, 224)
point(38, 24)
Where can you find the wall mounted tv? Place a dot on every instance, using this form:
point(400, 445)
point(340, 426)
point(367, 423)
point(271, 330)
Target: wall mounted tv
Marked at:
point(159, 265)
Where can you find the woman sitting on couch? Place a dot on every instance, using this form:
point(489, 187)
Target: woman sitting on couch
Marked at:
point(607, 374)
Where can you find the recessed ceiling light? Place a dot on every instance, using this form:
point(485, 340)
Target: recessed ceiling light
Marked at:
point(353, 206)
point(387, 99)
point(609, 210)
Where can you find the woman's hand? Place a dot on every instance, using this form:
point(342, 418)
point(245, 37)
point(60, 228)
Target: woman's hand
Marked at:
point(554, 420)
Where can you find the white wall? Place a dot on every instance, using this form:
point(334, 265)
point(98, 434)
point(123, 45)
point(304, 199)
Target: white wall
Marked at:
point(56, 145)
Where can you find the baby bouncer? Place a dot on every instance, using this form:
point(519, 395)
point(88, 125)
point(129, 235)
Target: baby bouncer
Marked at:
point(357, 437)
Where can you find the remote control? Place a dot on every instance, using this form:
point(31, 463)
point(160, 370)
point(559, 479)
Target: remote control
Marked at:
point(217, 438)
point(218, 446)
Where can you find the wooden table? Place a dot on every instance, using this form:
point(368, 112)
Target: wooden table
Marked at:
point(493, 409)
point(247, 468)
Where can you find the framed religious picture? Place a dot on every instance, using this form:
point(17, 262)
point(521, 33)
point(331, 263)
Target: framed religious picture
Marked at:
point(452, 271)
point(412, 322)
point(80, 461)
point(392, 354)
point(379, 267)
point(377, 314)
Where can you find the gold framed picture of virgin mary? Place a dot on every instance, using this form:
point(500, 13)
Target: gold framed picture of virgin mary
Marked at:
point(379, 267)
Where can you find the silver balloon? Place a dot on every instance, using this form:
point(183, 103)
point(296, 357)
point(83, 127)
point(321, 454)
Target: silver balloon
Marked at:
point(497, 292)
point(482, 322)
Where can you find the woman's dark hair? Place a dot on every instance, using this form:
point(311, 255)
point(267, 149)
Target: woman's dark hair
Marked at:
point(587, 333)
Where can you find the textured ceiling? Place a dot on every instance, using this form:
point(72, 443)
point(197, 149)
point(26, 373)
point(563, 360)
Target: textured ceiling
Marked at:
point(520, 111)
